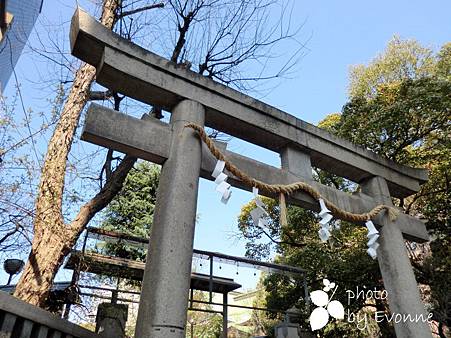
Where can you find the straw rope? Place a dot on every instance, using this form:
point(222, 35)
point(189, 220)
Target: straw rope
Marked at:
point(287, 189)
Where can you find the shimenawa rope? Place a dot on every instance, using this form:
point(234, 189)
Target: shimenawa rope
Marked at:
point(287, 189)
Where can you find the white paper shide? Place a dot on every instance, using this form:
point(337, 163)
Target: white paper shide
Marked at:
point(221, 182)
point(373, 236)
point(259, 214)
point(326, 217)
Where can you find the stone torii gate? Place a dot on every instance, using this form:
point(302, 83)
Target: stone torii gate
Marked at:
point(131, 70)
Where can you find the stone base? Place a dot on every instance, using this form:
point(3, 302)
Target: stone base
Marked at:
point(111, 320)
point(287, 330)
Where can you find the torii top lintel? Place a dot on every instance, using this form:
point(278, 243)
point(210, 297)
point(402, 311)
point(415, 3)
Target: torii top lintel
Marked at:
point(129, 69)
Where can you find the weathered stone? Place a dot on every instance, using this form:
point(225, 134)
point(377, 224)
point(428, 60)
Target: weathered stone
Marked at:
point(399, 279)
point(287, 330)
point(138, 73)
point(111, 320)
point(27, 326)
point(14, 308)
point(151, 140)
point(6, 329)
point(296, 162)
point(164, 294)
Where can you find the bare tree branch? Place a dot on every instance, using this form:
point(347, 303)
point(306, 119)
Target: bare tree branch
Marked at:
point(100, 95)
point(139, 10)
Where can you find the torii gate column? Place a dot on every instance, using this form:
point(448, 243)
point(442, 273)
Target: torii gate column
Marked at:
point(164, 295)
point(397, 273)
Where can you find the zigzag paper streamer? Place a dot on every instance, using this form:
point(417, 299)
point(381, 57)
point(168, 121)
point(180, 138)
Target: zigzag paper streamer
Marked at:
point(259, 214)
point(326, 217)
point(221, 182)
point(373, 236)
point(220, 165)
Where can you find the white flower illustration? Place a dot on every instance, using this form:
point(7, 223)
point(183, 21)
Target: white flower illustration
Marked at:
point(320, 316)
point(328, 285)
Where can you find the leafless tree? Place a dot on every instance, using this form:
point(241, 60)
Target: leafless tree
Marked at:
point(225, 40)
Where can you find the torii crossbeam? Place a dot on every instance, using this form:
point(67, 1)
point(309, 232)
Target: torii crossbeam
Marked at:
point(131, 70)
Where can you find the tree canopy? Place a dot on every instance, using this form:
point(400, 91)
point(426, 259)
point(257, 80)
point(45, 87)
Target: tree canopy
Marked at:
point(401, 60)
point(408, 119)
point(131, 210)
point(399, 107)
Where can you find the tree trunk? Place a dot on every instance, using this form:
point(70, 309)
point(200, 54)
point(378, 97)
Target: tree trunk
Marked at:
point(47, 252)
point(52, 245)
point(52, 238)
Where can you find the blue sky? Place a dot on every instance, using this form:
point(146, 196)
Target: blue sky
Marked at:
point(343, 33)
point(340, 34)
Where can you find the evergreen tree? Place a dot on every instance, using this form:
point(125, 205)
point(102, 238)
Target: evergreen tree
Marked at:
point(400, 108)
point(131, 210)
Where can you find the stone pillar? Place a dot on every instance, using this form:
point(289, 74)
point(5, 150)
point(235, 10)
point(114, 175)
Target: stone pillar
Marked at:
point(111, 320)
point(164, 295)
point(396, 270)
point(287, 330)
point(296, 161)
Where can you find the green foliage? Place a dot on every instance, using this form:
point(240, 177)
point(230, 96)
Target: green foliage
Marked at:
point(408, 119)
point(344, 260)
point(257, 245)
point(131, 211)
point(203, 324)
point(443, 66)
point(400, 117)
point(401, 60)
point(330, 122)
point(261, 322)
point(400, 107)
